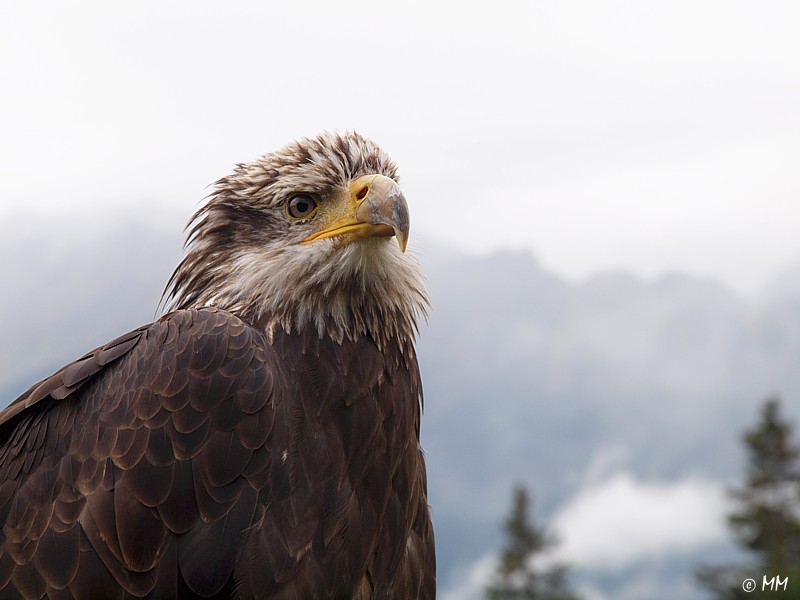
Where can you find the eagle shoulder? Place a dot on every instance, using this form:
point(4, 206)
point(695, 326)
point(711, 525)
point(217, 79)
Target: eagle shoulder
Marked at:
point(152, 435)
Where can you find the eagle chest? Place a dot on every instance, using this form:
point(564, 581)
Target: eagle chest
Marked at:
point(345, 468)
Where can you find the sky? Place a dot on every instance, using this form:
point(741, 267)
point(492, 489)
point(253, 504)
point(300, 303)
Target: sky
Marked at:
point(600, 135)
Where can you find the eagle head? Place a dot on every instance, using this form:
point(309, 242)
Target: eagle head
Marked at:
point(313, 234)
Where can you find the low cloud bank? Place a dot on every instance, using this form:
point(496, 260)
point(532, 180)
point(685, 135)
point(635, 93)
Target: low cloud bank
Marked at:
point(620, 520)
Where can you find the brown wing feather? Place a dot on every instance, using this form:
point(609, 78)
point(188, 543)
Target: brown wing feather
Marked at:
point(67, 380)
point(191, 458)
point(88, 461)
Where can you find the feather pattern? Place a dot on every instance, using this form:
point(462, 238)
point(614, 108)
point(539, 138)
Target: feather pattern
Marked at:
point(265, 504)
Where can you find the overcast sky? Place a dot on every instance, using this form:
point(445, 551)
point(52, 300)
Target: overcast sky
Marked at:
point(647, 136)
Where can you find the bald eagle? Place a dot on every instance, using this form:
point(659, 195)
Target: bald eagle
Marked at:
point(261, 438)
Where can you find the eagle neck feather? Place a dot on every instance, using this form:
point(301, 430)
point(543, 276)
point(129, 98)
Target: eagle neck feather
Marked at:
point(368, 289)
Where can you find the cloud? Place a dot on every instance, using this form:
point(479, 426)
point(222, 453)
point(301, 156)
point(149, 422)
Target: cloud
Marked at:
point(611, 145)
point(620, 520)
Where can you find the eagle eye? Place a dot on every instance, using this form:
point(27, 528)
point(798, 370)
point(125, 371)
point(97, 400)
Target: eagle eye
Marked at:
point(301, 206)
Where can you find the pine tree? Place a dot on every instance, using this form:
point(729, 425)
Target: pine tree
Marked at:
point(766, 521)
point(517, 576)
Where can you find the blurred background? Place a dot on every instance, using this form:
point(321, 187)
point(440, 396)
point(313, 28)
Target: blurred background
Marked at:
point(604, 195)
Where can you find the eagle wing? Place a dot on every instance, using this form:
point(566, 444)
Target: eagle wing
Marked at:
point(191, 457)
point(134, 456)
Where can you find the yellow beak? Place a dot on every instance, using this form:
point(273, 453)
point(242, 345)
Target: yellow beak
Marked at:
point(373, 206)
